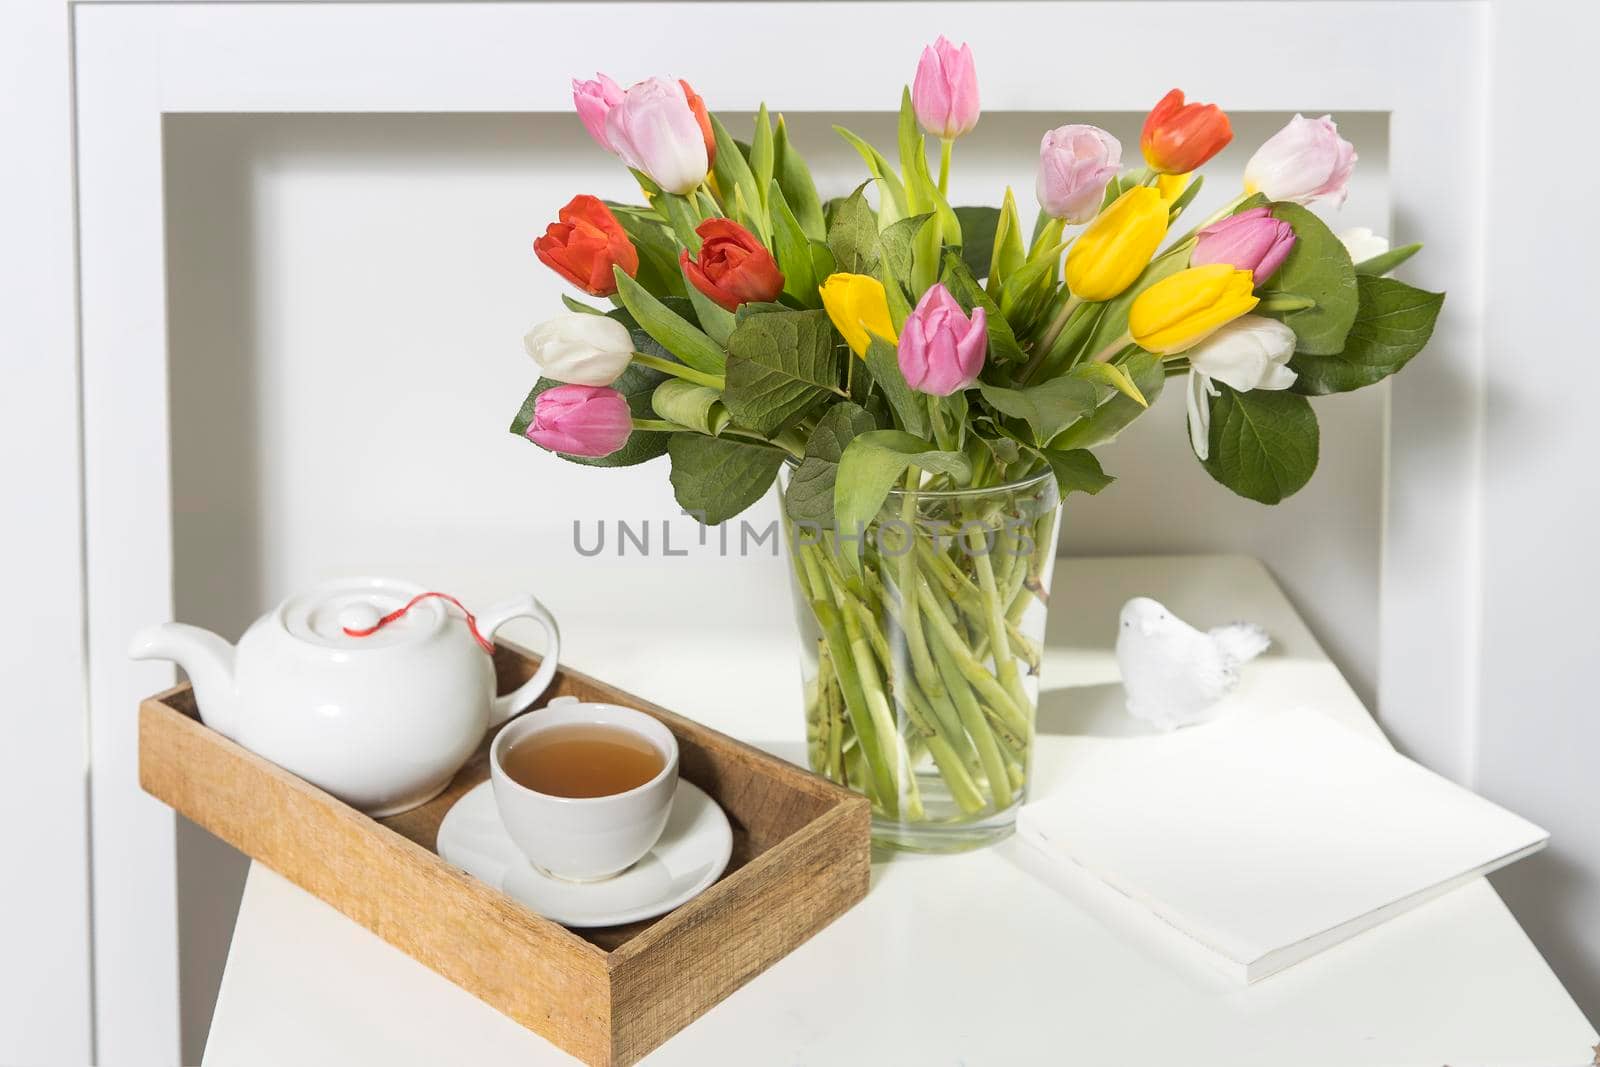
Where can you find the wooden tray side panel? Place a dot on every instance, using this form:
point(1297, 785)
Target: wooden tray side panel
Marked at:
point(536, 972)
point(681, 967)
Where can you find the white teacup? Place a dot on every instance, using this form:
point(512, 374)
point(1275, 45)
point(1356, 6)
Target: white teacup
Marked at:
point(585, 839)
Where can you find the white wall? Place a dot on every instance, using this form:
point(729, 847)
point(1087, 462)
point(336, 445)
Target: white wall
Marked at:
point(346, 301)
point(1539, 722)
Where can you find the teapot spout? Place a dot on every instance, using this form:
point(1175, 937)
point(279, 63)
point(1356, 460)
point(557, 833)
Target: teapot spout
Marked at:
point(206, 658)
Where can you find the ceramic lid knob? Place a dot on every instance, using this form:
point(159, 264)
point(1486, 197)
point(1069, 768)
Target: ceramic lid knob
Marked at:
point(358, 617)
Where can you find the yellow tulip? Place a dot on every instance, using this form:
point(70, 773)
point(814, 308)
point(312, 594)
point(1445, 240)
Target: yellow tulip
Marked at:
point(1111, 252)
point(1179, 312)
point(859, 308)
point(1171, 186)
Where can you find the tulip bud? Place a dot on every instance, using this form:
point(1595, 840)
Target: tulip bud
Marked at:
point(594, 101)
point(1251, 240)
point(1180, 137)
point(1363, 244)
point(655, 131)
point(703, 118)
point(1184, 309)
point(859, 308)
point(580, 349)
point(734, 266)
point(1075, 163)
point(1307, 160)
point(1251, 352)
point(581, 420)
point(584, 244)
point(941, 350)
point(1108, 255)
point(944, 93)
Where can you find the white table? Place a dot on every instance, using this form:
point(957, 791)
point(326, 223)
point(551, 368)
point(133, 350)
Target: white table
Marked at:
point(964, 959)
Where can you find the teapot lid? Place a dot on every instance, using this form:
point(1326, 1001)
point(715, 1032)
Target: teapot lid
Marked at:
point(322, 616)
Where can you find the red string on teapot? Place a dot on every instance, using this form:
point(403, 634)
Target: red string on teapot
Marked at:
point(472, 622)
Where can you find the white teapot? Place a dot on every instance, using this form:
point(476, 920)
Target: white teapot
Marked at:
point(381, 721)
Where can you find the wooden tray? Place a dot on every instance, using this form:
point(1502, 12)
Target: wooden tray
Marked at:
point(608, 996)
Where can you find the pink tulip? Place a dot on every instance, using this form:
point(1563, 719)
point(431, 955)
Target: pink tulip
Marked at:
point(1251, 240)
point(594, 101)
point(1306, 160)
point(581, 420)
point(655, 131)
point(945, 91)
point(1075, 164)
point(941, 350)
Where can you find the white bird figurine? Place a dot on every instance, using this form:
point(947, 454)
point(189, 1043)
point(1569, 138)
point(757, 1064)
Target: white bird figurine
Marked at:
point(1172, 672)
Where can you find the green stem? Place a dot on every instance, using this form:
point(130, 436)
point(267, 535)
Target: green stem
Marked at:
point(1053, 331)
point(945, 144)
point(1005, 664)
point(661, 425)
point(977, 727)
point(992, 692)
point(678, 370)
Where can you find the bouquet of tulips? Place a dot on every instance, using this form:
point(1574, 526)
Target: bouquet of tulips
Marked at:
point(903, 356)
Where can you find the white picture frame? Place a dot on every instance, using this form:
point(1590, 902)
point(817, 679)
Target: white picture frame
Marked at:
point(136, 63)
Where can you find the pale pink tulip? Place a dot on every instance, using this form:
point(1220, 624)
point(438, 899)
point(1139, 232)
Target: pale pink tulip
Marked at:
point(941, 350)
point(594, 101)
point(655, 131)
point(945, 91)
point(1307, 160)
point(1075, 164)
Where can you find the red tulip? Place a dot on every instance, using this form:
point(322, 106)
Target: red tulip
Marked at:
point(585, 244)
point(1180, 137)
point(734, 266)
point(698, 106)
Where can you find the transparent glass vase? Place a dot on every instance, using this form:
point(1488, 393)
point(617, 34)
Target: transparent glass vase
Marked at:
point(920, 642)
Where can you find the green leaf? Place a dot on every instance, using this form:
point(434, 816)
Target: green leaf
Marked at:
point(1076, 470)
point(884, 365)
point(809, 497)
point(779, 365)
point(738, 183)
point(716, 478)
point(913, 157)
point(681, 218)
point(1003, 346)
point(1008, 254)
point(580, 307)
point(799, 191)
point(715, 320)
point(658, 254)
point(676, 334)
point(979, 227)
point(1113, 375)
point(1263, 443)
point(892, 206)
point(1384, 262)
point(793, 251)
point(1047, 408)
point(871, 465)
point(853, 234)
point(698, 407)
point(896, 242)
point(1318, 267)
point(1393, 323)
point(1115, 413)
point(762, 156)
point(636, 384)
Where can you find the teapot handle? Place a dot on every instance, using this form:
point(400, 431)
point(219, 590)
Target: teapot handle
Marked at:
point(523, 607)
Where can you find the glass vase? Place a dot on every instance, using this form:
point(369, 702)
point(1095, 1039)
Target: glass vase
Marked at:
point(920, 640)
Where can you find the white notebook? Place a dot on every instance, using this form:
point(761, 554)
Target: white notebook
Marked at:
point(1260, 839)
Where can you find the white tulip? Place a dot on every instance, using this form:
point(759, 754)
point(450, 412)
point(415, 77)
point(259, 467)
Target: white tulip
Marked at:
point(1363, 244)
point(580, 349)
point(1251, 352)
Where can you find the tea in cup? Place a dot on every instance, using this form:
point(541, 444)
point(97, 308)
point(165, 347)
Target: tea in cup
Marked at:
point(584, 790)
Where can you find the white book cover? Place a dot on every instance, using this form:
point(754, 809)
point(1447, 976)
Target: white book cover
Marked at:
point(1263, 838)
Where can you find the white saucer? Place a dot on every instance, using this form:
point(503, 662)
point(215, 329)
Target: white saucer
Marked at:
point(692, 853)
